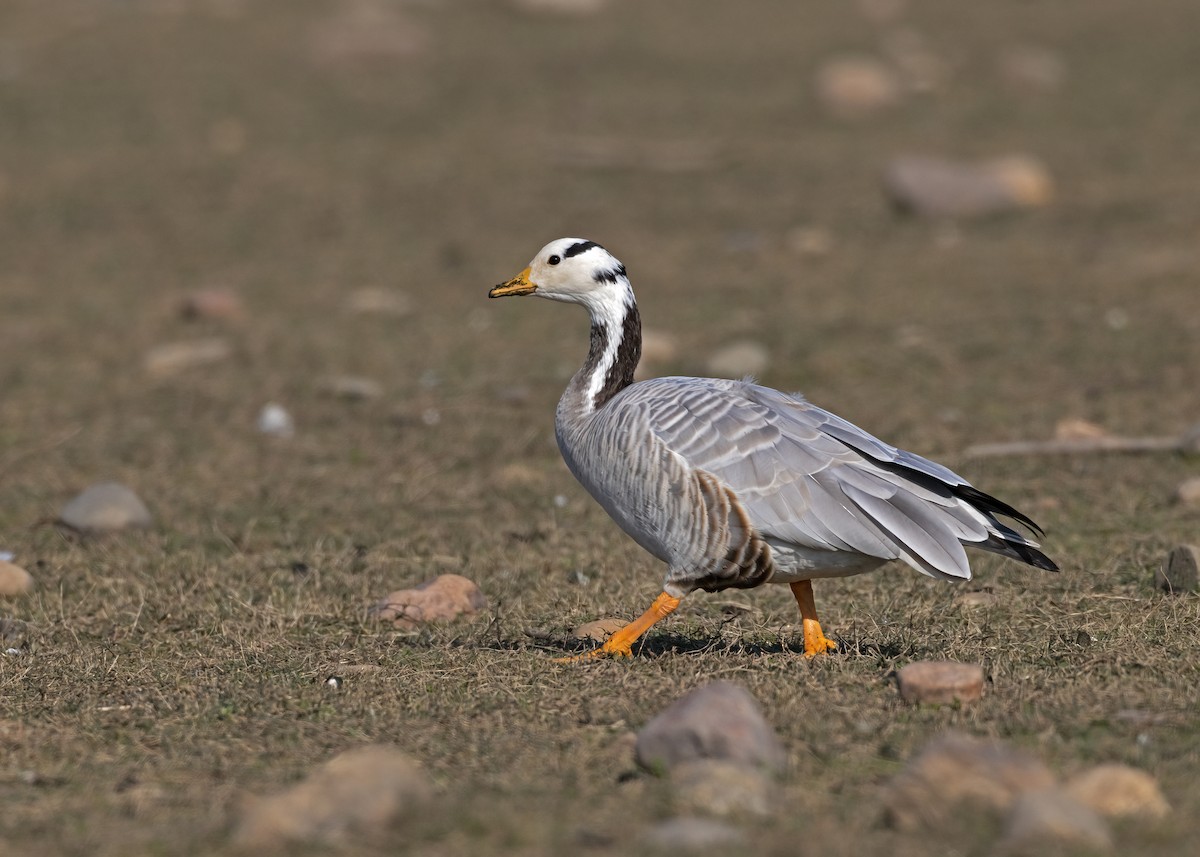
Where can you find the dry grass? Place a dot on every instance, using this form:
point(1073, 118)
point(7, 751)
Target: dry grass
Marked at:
point(147, 149)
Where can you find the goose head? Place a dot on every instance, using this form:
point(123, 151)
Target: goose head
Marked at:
point(574, 270)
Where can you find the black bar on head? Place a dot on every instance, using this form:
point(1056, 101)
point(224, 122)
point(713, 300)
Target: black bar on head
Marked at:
point(581, 247)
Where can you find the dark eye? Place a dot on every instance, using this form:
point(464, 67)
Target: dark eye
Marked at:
point(554, 260)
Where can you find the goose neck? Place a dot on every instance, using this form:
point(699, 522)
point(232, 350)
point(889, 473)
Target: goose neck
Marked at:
point(613, 355)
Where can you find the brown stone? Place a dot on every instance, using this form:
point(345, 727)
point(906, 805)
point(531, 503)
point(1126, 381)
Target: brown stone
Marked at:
point(1052, 819)
point(955, 771)
point(1188, 492)
point(446, 597)
point(600, 630)
point(1119, 791)
point(360, 791)
point(855, 86)
point(14, 580)
point(1180, 573)
point(940, 682)
point(940, 188)
point(717, 721)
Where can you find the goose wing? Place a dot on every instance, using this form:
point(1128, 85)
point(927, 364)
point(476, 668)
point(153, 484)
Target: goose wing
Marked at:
point(812, 479)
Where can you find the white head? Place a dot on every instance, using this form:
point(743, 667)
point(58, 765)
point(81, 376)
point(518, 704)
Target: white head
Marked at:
point(574, 270)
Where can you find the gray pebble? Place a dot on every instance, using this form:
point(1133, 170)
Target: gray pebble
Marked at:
point(105, 507)
point(717, 721)
point(1180, 573)
point(274, 420)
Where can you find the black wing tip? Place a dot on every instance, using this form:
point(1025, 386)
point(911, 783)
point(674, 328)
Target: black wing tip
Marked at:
point(988, 503)
point(1038, 559)
point(1024, 552)
point(1009, 543)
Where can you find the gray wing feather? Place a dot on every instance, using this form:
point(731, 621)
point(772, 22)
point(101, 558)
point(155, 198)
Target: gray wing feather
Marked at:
point(810, 478)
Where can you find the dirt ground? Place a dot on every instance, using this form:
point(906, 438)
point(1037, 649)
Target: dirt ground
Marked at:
point(297, 152)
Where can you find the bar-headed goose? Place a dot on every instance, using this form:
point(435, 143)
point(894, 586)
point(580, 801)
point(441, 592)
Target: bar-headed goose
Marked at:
point(732, 484)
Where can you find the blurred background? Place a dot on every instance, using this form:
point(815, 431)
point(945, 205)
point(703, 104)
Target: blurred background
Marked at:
point(291, 156)
point(302, 159)
point(246, 245)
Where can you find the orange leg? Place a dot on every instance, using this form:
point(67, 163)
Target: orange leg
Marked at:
point(815, 641)
point(620, 644)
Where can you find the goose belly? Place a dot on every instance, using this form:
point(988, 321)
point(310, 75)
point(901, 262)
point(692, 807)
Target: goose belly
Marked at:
point(794, 563)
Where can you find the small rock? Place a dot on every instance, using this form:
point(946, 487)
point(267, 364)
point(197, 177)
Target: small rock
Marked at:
point(1188, 492)
point(856, 86)
point(933, 187)
point(14, 580)
point(104, 508)
point(685, 835)
point(446, 597)
point(214, 304)
point(600, 630)
point(360, 791)
point(1031, 69)
point(274, 420)
point(940, 682)
point(1049, 818)
point(380, 302)
point(717, 721)
point(163, 361)
point(1077, 429)
point(720, 788)
point(956, 770)
point(1181, 571)
point(738, 359)
point(351, 388)
point(1119, 791)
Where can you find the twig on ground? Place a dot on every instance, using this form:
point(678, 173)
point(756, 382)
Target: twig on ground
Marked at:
point(1188, 442)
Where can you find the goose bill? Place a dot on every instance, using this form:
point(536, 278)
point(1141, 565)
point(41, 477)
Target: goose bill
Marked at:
point(518, 285)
